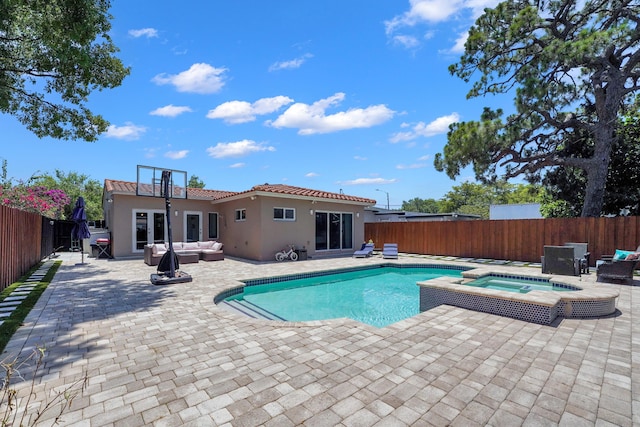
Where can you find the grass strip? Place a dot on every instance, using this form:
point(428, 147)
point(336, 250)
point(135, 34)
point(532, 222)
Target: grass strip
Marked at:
point(13, 322)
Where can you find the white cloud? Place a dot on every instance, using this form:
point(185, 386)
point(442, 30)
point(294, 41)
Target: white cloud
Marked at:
point(412, 166)
point(422, 11)
point(176, 154)
point(199, 78)
point(458, 47)
point(170, 111)
point(363, 181)
point(408, 42)
point(311, 175)
point(291, 64)
point(436, 127)
point(235, 112)
point(144, 32)
point(128, 132)
point(359, 158)
point(424, 158)
point(433, 12)
point(237, 165)
point(237, 149)
point(311, 119)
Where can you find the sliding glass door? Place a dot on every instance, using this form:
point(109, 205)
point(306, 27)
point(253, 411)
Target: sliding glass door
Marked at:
point(334, 230)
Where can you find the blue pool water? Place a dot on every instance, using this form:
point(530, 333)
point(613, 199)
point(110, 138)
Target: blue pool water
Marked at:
point(378, 297)
point(522, 286)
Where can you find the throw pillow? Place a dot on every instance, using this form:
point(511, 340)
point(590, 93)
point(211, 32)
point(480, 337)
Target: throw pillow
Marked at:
point(620, 254)
point(217, 246)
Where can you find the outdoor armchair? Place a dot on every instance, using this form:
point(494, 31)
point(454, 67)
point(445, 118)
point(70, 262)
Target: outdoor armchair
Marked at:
point(560, 260)
point(581, 252)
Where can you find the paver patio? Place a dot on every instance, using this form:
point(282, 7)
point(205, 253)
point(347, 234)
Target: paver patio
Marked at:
point(167, 356)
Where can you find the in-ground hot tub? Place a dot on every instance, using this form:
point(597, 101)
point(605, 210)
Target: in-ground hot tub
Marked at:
point(563, 296)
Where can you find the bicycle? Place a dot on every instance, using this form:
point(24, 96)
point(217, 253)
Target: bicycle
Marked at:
point(287, 254)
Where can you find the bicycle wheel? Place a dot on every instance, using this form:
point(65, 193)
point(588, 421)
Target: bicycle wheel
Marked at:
point(279, 256)
point(294, 256)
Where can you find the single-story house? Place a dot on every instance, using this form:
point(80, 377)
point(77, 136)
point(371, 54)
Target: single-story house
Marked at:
point(252, 224)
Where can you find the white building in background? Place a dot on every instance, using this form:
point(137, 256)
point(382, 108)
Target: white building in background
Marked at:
point(515, 211)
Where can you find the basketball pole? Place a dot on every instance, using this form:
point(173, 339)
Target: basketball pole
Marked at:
point(166, 177)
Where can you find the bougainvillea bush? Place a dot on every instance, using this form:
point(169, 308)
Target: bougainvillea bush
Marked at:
point(36, 199)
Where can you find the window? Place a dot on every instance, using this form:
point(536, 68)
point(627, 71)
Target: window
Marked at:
point(213, 225)
point(241, 214)
point(284, 214)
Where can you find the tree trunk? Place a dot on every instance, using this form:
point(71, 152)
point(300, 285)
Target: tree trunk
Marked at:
point(598, 168)
point(596, 182)
point(608, 89)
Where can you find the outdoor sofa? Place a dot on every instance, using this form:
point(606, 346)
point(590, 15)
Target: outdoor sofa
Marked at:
point(618, 266)
point(186, 251)
point(616, 269)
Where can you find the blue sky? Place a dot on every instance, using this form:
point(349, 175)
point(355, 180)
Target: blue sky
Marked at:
point(351, 96)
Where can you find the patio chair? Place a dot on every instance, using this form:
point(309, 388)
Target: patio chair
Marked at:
point(616, 270)
point(390, 250)
point(582, 253)
point(365, 251)
point(560, 260)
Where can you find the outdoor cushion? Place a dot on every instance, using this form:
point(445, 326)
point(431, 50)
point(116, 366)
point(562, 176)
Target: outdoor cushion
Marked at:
point(217, 246)
point(620, 254)
point(190, 246)
point(206, 245)
point(158, 248)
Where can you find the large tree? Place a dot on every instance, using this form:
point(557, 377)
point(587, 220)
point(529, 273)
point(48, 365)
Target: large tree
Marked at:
point(557, 56)
point(53, 54)
point(566, 185)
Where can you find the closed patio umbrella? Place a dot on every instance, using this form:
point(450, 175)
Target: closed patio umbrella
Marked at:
point(80, 230)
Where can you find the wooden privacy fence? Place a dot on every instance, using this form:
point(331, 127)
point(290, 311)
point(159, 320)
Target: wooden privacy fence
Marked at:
point(515, 240)
point(25, 239)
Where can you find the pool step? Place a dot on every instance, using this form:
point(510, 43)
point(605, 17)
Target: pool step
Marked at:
point(249, 309)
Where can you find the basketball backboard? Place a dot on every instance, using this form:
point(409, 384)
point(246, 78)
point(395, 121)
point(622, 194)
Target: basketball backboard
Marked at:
point(149, 182)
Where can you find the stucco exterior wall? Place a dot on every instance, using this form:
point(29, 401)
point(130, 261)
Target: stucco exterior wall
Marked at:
point(257, 237)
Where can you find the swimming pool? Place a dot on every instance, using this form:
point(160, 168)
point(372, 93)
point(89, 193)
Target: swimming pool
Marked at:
point(519, 285)
point(377, 296)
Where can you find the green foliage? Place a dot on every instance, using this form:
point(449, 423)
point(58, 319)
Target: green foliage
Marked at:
point(421, 205)
point(552, 56)
point(75, 185)
point(195, 182)
point(53, 55)
point(566, 185)
point(475, 199)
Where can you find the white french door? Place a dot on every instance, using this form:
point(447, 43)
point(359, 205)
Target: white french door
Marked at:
point(149, 226)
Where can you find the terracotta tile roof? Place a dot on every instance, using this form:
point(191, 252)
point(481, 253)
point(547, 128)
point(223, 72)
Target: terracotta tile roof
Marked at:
point(306, 192)
point(125, 187)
